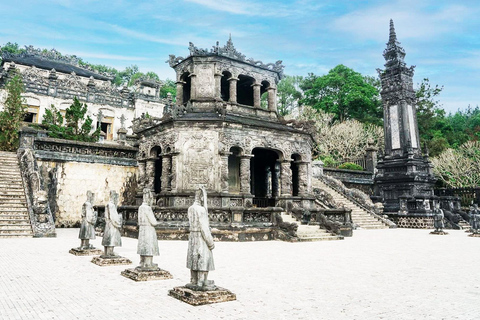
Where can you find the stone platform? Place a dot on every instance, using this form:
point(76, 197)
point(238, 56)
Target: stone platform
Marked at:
point(111, 261)
point(85, 252)
point(198, 298)
point(475, 235)
point(138, 274)
point(440, 233)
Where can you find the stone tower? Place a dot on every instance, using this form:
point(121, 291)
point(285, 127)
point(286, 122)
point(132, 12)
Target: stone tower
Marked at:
point(404, 179)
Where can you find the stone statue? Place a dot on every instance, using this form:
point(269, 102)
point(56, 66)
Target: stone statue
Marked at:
point(438, 217)
point(475, 218)
point(87, 226)
point(113, 223)
point(147, 236)
point(200, 244)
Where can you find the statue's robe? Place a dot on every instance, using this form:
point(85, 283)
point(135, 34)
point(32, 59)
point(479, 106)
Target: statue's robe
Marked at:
point(147, 236)
point(87, 226)
point(113, 222)
point(199, 256)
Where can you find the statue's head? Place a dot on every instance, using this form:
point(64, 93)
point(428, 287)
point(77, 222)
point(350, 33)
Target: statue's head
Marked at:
point(198, 195)
point(147, 196)
point(90, 196)
point(114, 196)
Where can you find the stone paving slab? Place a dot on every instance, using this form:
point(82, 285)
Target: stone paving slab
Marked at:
point(377, 274)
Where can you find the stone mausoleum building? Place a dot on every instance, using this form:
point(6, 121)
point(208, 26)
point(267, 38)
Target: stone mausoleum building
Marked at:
point(53, 79)
point(219, 135)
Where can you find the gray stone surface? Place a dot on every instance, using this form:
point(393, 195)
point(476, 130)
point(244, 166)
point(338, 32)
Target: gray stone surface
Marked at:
point(137, 274)
point(388, 280)
point(198, 298)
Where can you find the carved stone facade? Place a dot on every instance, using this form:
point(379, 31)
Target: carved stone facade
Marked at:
point(53, 79)
point(218, 135)
point(404, 179)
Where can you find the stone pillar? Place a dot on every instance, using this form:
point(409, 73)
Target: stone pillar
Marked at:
point(245, 174)
point(233, 89)
point(276, 180)
point(166, 169)
point(256, 95)
point(272, 99)
point(371, 158)
point(286, 177)
point(224, 171)
point(141, 174)
point(150, 174)
point(218, 86)
point(180, 92)
point(302, 178)
point(193, 87)
point(173, 172)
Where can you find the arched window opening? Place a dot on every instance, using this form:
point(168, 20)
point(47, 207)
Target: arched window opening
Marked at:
point(234, 170)
point(245, 90)
point(187, 86)
point(225, 86)
point(157, 185)
point(295, 174)
point(265, 174)
point(264, 94)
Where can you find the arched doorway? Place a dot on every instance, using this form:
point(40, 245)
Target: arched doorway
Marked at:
point(295, 174)
point(225, 86)
point(265, 170)
point(187, 86)
point(245, 90)
point(234, 170)
point(157, 183)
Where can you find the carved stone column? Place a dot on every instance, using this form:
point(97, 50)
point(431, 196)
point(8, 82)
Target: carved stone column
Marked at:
point(141, 174)
point(256, 95)
point(193, 88)
point(173, 172)
point(224, 171)
point(286, 177)
point(150, 174)
point(180, 92)
point(233, 89)
point(272, 99)
point(166, 169)
point(302, 178)
point(245, 173)
point(218, 86)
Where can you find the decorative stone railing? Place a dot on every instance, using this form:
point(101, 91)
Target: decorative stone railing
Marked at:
point(359, 198)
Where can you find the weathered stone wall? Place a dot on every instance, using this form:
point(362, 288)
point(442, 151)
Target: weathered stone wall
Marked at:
point(362, 180)
point(68, 183)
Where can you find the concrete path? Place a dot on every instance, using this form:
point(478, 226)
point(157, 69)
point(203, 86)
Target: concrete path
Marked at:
point(377, 274)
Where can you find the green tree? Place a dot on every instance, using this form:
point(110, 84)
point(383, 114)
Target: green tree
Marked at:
point(344, 93)
point(169, 86)
point(77, 126)
point(288, 94)
point(12, 115)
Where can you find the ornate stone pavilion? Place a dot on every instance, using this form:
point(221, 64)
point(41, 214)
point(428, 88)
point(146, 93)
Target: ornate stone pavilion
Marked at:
point(219, 135)
point(404, 179)
point(53, 79)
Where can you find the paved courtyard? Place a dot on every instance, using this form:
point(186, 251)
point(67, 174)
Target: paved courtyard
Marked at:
point(377, 274)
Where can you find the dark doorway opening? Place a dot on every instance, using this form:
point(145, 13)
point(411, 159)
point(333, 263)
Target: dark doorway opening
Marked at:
point(264, 168)
point(295, 177)
point(234, 170)
point(245, 90)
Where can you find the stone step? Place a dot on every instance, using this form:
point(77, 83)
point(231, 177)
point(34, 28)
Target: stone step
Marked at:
point(13, 211)
point(325, 238)
point(16, 226)
point(14, 220)
point(9, 186)
point(15, 232)
point(13, 235)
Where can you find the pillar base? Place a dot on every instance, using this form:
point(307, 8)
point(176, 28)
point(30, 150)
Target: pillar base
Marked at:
point(138, 274)
point(198, 298)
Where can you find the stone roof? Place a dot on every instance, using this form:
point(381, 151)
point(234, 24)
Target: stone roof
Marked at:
point(49, 60)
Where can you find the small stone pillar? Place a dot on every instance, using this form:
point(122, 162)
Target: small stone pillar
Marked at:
point(245, 173)
point(233, 89)
point(371, 157)
point(224, 171)
point(91, 90)
point(317, 169)
point(302, 178)
point(52, 83)
point(122, 135)
point(256, 95)
point(141, 174)
point(193, 87)
point(286, 177)
point(218, 85)
point(173, 172)
point(180, 92)
point(150, 174)
point(166, 169)
point(272, 99)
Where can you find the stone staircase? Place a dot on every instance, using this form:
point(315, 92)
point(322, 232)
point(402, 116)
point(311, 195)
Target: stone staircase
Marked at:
point(14, 218)
point(310, 233)
point(360, 217)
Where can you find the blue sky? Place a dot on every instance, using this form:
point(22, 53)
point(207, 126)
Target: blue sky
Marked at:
point(440, 37)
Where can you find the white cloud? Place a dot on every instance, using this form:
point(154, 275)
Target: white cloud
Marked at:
point(143, 36)
point(413, 19)
point(108, 56)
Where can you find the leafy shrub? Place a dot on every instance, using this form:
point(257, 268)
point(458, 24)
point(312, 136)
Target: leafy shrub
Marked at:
point(350, 166)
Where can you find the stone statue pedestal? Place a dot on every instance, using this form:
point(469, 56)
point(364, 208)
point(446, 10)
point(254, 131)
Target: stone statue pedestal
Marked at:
point(440, 233)
point(92, 251)
point(475, 234)
point(146, 274)
point(198, 298)
point(110, 261)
